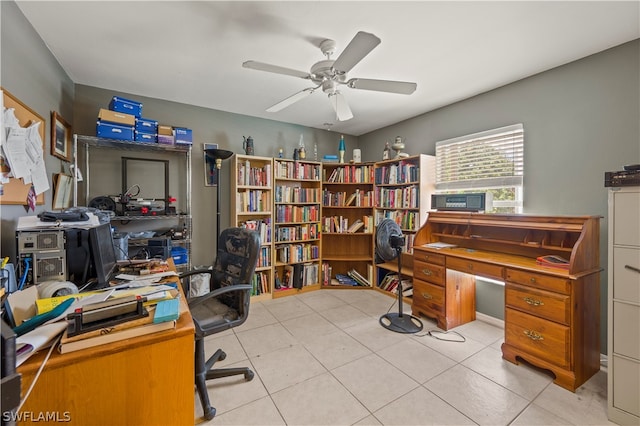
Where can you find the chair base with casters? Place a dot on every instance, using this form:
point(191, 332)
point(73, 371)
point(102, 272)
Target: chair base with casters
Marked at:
point(225, 306)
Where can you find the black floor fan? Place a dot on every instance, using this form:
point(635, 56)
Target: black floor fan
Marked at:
point(389, 243)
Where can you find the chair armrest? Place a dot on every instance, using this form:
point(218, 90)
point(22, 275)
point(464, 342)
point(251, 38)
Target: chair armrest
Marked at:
point(244, 288)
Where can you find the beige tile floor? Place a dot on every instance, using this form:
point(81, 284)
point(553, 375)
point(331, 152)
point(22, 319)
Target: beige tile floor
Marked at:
point(321, 358)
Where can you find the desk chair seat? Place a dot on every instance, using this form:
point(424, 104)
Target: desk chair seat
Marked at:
point(225, 306)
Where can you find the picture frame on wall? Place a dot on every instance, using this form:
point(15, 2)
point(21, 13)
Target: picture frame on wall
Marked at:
point(60, 137)
point(210, 171)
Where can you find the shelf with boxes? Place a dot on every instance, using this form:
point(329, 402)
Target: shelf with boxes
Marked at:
point(347, 225)
point(297, 244)
point(138, 217)
point(251, 207)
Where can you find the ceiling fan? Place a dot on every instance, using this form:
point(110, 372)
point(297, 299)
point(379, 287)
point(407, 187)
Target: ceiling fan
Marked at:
point(329, 74)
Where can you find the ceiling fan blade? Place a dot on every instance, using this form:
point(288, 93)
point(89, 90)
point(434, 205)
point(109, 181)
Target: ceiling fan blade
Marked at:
point(340, 105)
point(401, 87)
point(358, 48)
point(261, 66)
point(291, 99)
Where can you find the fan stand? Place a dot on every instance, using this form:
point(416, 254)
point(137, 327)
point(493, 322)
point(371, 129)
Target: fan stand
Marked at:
point(397, 321)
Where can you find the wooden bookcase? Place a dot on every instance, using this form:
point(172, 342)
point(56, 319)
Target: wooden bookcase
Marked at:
point(347, 196)
point(296, 231)
point(251, 207)
point(403, 188)
point(552, 314)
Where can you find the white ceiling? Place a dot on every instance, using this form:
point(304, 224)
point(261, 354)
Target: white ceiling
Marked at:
point(192, 52)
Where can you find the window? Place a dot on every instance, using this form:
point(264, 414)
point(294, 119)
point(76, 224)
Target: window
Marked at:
point(490, 162)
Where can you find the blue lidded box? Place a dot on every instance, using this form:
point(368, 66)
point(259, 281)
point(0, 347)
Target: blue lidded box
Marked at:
point(146, 125)
point(145, 137)
point(126, 106)
point(180, 255)
point(114, 131)
point(183, 136)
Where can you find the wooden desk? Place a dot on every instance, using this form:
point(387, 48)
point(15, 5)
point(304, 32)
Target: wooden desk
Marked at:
point(147, 380)
point(552, 315)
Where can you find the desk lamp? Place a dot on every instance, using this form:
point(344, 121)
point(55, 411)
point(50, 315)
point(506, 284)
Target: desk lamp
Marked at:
point(218, 155)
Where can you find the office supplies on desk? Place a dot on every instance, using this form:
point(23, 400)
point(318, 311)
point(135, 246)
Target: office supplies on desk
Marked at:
point(167, 310)
point(67, 346)
point(102, 314)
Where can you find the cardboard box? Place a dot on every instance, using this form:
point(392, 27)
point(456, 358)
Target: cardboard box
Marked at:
point(165, 130)
point(166, 139)
point(183, 136)
point(109, 116)
point(126, 105)
point(146, 125)
point(114, 131)
point(145, 137)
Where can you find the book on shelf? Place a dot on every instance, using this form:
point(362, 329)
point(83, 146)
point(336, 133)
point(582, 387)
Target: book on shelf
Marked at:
point(359, 278)
point(68, 345)
point(344, 279)
point(355, 226)
point(553, 261)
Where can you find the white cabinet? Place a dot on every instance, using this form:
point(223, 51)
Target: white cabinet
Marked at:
point(624, 305)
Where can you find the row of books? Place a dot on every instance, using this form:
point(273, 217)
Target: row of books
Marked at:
point(400, 173)
point(310, 231)
point(297, 276)
point(296, 194)
point(254, 200)
point(339, 199)
point(408, 220)
point(351, 174)
point(293, 253)
point(297, 170)
point(264, 257)
point(392, 284)
point(398, 198)
point(263, 226)
point(259, 283)
point(340, 224)
point(287, 213)
point(254, 176)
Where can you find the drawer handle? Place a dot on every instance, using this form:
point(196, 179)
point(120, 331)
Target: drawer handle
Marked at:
point(427, 296)
point(533, 302)
point(632, 268)
point(427, 272)
point(470, 266)
point(533, 335)
point(533, 280)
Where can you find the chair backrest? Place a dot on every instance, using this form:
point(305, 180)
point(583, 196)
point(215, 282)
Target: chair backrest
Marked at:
point(238, 250)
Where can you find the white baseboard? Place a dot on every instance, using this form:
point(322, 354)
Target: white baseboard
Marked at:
point(490, 320)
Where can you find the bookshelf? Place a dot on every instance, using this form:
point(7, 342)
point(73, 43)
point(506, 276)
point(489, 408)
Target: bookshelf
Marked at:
point(251, 207)
point(296, 230)
point(403, 188)
point(347, 197)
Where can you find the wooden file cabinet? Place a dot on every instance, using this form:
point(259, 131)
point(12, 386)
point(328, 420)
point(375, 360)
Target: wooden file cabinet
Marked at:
point(552, 315)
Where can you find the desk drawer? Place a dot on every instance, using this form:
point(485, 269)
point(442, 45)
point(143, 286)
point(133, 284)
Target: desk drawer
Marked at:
point(428, 297)
point(425, 256)
point(540, 281)
point(475, 268)
point(541, 338)
point(429, 272)
point(544, 304)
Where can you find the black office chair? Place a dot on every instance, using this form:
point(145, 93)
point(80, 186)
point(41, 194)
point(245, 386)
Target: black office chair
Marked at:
point(225, 306)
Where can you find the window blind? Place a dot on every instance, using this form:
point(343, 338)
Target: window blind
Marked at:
point(490, 159)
